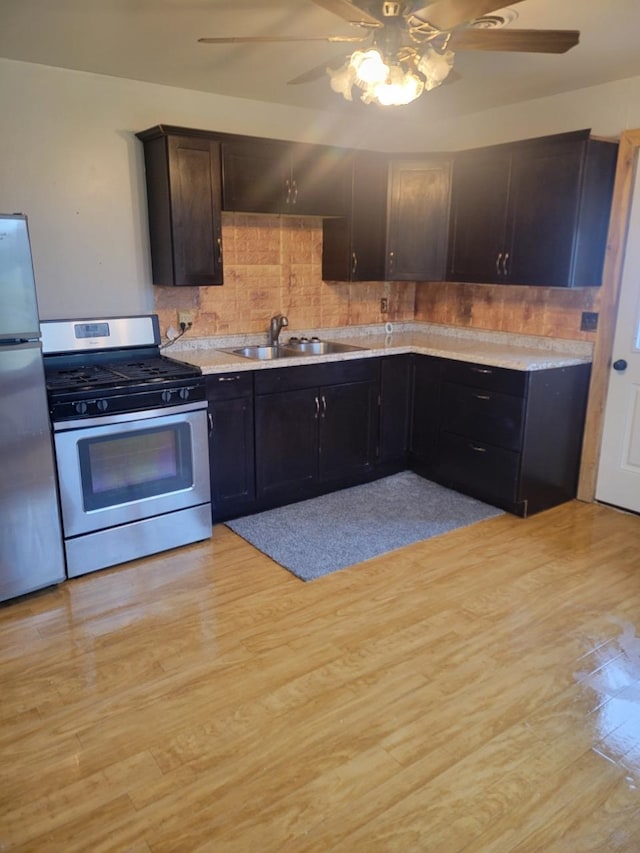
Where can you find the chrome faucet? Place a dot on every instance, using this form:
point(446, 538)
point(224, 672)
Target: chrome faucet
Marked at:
point(275, 327)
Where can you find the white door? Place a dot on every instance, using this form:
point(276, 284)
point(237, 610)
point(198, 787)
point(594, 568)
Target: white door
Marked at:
point(619, 470)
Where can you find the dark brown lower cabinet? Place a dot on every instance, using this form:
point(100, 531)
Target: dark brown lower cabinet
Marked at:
point(231, 444)
point(395, 398)
point(512, 438)
point(508, 437)
point(315, 428)
point(425, 413)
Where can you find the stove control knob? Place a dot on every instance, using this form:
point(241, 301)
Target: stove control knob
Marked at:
point(102, 405)
point(183, 393)
point(81, 408)
point(166, 396)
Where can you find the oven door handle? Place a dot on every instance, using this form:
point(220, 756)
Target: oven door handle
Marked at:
point(128, 417)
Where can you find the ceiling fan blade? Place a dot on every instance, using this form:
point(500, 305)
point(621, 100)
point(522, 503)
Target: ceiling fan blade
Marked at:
point(275, 39)
point(447, 14)
point(351, 12)
point(524, 41)
point(318, 71)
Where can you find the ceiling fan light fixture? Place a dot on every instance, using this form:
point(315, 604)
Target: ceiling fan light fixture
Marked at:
point(342, 80)
point(435, 66)
point(369, 67)
point(400, 88)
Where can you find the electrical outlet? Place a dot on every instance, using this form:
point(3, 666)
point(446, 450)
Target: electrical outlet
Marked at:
point(384, 305)
point(589, 321)
point(185, 319)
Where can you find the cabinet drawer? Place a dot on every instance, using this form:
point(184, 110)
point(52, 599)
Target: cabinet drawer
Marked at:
point(483, 415)
point(313, 375)
point(226, 386)
point(491, 473)
point(485, 376)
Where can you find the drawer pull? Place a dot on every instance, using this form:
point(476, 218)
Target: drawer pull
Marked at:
point(482, 370)
point(228, 378)
point(482, 396)
point(317, 402)
point(478, 449)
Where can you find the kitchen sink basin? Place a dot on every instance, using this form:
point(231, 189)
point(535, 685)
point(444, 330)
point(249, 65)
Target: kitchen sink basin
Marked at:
point(265, 353)
point(292, 349)
point(319, 347)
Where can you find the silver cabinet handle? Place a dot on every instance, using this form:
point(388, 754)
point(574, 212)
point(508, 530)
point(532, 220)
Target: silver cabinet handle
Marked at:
point(354, 263)
point(478, 449)
point(482, 370)
point(505, 260)
point(295, 192)
point(482, 396)
point(317, 401)
point(391, 257)
point(287, 184)
point(324, 406)
point(498, 259)
point(219, 245)
point(210, 418)
point(228, 378)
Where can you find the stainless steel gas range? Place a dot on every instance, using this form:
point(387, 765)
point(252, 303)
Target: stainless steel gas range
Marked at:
point(131, 441)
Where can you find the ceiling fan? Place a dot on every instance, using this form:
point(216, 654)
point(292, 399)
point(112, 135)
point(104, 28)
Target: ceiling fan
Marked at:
point(409, 47)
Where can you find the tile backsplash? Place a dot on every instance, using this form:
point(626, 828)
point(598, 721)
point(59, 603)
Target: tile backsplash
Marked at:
point(273, 264)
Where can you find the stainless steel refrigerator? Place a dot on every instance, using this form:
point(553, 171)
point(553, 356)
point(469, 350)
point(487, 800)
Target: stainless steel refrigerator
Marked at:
point(31, 555)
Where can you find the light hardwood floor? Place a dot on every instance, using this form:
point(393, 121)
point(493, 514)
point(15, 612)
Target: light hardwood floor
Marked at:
point(477, 692)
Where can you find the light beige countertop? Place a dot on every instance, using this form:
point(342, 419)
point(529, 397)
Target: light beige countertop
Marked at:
point(496, 349)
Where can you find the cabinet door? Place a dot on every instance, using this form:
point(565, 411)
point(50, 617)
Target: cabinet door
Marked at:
point(231, 456)
point(347, 435)
point(256, 176)
point(320, 181)
point(353, 248)
point(183, 195)
point(286, 444)
point(194, 176)
point(479, 193)
point(543, 213)
point(417, 219)
point(425, 422)
point(395, 394)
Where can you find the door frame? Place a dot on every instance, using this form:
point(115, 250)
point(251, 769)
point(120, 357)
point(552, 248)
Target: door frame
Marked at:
point(628, 158)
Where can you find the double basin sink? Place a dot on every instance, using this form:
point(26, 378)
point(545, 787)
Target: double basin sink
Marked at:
point(292, 349)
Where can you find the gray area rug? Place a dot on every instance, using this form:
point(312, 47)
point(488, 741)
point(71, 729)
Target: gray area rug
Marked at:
point(322, 535)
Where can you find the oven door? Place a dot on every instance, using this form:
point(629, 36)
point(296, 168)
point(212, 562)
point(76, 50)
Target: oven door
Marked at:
point(119, 469)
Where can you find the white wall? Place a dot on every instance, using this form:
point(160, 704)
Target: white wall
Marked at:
point(69, 159)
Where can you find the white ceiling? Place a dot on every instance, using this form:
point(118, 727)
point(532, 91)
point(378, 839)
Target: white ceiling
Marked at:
point(156, 41)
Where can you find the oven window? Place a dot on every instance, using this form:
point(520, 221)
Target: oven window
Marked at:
point(135, 465)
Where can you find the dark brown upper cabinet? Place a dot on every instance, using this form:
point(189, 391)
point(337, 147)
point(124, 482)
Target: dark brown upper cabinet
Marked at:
point(397, 224)
point(267, 176)
point(183, 195)
point(533, 212)
point(353, 247)
point(418, 219)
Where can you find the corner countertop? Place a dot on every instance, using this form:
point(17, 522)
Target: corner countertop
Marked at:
point(495, 349)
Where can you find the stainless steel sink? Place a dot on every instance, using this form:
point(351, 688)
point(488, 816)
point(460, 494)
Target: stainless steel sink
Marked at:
point(265, 353)
point(319, 347)
point(292, 349)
